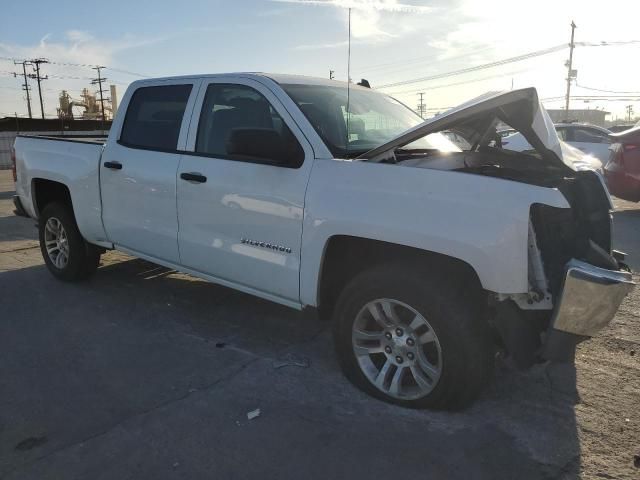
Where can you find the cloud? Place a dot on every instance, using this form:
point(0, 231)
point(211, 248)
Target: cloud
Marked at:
point(321, 46)
point(77, 47)
point(71, 57)
point(371, 19)
point(380, 5)
point(78, 36)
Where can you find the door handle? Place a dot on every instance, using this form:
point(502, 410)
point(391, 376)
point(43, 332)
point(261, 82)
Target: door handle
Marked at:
point(193, 177)
point(113, 165)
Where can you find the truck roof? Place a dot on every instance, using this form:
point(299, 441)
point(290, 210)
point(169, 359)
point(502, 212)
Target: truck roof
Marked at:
point(276, 77)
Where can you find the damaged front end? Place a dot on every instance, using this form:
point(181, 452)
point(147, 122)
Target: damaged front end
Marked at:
point(576, 281)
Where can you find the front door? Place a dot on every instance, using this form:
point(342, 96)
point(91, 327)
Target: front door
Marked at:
point(591, 141)
point(138, 170)
point(240, 214)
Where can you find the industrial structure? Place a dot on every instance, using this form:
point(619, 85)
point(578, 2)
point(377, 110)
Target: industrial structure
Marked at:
point(88, 106)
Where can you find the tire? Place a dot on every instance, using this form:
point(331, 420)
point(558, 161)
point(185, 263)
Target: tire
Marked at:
point(82, 258)
point(450, 344)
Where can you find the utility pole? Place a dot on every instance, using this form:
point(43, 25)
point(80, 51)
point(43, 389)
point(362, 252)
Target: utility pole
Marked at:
point(421, 105)
point(629, 109)
point(98, 81)
point(570, 73)
point(25, 85)
point(331, 74)
point(36, 66)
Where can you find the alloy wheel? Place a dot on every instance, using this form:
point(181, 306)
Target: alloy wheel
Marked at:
point(397, 349)
point(56, 242)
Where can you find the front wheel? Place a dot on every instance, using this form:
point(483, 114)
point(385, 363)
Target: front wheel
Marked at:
point(408, 338)
point(67, 255)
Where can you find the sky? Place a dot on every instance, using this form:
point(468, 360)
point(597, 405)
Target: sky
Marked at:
point(393, 42)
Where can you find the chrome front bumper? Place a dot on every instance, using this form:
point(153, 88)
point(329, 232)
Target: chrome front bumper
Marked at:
point(590, 298)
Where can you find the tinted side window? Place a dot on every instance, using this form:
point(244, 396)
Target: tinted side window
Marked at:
point(232, 113)
point(154, 117)
point(562, 133)
point(589, 135)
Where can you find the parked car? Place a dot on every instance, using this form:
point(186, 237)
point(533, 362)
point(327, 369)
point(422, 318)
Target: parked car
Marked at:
point(505, 132)
point(622, 171)
point(619, 128)
point(590, 139)
point(426, 257)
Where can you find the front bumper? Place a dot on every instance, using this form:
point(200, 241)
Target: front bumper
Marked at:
point(590, 298)
point(588, 301)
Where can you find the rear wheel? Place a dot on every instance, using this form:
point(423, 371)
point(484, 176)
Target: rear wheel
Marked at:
point(67, 255)
point(410, 339)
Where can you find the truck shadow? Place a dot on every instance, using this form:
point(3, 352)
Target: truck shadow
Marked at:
point(79, 359)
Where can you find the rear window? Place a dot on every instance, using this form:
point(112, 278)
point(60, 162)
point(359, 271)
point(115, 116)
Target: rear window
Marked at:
point(154, 117)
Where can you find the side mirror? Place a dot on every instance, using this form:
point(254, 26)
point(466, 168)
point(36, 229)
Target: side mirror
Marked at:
point(264, 144)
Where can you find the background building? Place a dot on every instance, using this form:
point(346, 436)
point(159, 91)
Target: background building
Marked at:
point(592, 116)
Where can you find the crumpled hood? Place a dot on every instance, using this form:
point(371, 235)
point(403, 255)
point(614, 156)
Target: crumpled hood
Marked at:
point(521, 109)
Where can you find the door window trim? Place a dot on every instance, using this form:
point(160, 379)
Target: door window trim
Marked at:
point(256, 160)
point(275, 103)
point(118, 124)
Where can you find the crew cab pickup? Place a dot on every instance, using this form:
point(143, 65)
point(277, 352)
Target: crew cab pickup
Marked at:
point(335, 197)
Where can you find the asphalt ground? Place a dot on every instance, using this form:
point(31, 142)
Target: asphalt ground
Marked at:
point(145, 373)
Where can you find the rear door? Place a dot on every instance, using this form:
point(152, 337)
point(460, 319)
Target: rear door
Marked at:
point(139, 165)
point(241, 216)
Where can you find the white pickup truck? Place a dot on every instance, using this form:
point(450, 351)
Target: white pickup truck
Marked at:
point(333, 197)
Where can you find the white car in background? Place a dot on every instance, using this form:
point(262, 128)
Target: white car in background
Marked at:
point(590, 139)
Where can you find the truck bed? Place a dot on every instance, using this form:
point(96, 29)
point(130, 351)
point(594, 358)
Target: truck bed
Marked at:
point(94, 139)
point(73, 161)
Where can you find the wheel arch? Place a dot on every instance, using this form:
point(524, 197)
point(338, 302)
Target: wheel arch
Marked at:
point(345, 256)
point(45, 191)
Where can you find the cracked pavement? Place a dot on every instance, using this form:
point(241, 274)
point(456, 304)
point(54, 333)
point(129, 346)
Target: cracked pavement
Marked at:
point(147, 373)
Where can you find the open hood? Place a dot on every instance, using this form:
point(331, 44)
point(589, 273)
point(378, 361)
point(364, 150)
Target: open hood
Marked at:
point(521, 109)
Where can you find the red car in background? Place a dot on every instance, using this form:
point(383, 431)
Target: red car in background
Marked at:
point(622, 171)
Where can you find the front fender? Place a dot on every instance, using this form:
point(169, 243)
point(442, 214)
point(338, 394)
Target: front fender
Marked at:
point(480, 220)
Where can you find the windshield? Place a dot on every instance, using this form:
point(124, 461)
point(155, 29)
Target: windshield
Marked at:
point(373, 120)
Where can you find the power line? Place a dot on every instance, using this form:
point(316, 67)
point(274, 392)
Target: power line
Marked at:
point(422, 59)
point(128, 72)
point(84, 65)
point(608, 98)
point(498, 63)
point(512, 60)
point(604, 43)
point(605, 91)
point(465, 82)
